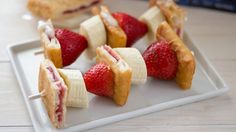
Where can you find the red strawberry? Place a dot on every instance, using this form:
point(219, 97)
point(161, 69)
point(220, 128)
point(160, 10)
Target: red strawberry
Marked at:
point(72, 45)
point(100, 80)
point(161, 60)
point(133, 28)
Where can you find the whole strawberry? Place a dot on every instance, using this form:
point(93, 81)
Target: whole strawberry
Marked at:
point(161, 61)
point(72, 45)
point(99, 80)
point(133, 28)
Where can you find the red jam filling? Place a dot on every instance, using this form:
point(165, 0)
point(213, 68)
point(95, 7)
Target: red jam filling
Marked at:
point(178, 31)
point(59, 110)
point(81, 7)
point(49, 38)
point(53, 74)
point(111, 52)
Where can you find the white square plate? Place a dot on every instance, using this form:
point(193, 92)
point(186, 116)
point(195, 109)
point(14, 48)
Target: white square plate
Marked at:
point(154, 95)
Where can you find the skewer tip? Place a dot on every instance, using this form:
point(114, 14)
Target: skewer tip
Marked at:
point(36, 96)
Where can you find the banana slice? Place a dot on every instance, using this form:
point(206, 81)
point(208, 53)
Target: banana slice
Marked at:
point(153, 18)
point(77, 94)
point(95, 33)
point(135, 60)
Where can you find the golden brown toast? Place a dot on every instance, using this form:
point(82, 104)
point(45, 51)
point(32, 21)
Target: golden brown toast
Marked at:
point(60, 9)
point(51, 46)
point(116, 37)
point(186, 61)
point(122, 73)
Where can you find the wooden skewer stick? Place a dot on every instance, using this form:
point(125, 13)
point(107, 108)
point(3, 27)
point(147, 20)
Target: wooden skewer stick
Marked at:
point(192, 53)
point(36, 96)
point(38, 52)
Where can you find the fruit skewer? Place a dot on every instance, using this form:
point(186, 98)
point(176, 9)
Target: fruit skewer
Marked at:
point(167, 59)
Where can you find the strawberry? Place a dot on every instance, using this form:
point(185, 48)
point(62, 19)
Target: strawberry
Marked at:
point(100, 80)
point(133, 28)
point(161, 61)
point(72, 45)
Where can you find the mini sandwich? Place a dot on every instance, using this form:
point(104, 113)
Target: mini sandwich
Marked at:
point(116, 37)
point(59, 9)
point(61, 46)
point(175, 16)
point(186, 66)
point(54, 93)
point(50, 44)
point(122, 73)
point(61, 88)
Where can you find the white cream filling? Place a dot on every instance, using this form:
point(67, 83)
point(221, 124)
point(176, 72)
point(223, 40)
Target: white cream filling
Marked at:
point(45, 27)
point(122, 65)
point(109, 18)
point(108, 54)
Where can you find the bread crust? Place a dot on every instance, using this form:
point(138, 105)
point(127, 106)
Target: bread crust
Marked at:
point(186, 61)
point(52, 48)
point(49, 99)
point(51, 52)
point(55, 9)
point(41, 8)
point(116, 37)
point(122, 85)
point(122, 78)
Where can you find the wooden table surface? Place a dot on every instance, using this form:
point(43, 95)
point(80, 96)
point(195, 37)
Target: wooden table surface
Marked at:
point(213, 31)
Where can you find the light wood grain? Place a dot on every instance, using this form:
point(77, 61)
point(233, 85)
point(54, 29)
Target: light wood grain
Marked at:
point(16, 129)
point(222, 128)
point(213, 31)
point(168, 128)
point(13, 26)
point(12, 107)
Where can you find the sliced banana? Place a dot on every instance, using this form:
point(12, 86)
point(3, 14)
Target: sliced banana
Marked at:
point(95, 33)
point(153, 18)
point(77, 95)
point(135, 60)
